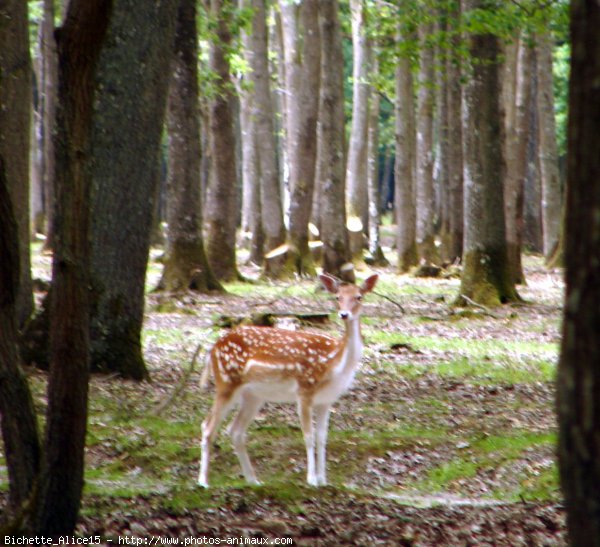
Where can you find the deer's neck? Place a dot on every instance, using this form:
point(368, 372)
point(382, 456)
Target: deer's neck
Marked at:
point(352, 346)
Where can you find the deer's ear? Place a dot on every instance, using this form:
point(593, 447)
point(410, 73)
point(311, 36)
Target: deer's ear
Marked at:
point(369, 284)
point(330, 283)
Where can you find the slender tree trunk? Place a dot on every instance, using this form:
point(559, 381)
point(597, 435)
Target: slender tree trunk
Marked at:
point(49, 63)
point(548, 151)
point(356, 169)
point(220, 210)
point(17, 413)
point(60, 486)
point(336, 253)
point(455, 154)
point(130, 111)
point(186, 265)
point(302, 52)
point(251, 209)
point(486, 276)
point(516, 166)
point(425, 198)
point(263, 123)
point(377, 256)
point(405, 166)
point(578, 382)
point(15, 136)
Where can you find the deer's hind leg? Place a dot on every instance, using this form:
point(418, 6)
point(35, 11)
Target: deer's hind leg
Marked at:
point(249, 408)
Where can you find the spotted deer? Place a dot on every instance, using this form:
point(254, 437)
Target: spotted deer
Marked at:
point(253, 365)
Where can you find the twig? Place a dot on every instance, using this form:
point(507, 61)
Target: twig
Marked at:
point(179, 388)
point(391, 300)
point(480, 306)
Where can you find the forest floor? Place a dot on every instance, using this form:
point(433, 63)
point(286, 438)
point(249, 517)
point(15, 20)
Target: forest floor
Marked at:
point(446, 437)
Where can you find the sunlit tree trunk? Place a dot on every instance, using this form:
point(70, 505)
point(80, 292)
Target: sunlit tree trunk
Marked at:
point(302, 54)
point(405, 166)
point(356, 169)
point(264, 128)
point(15, 136)
point(185, 265)
point(336, 253)
point(454, 146)
point(517, 134)
point(486, 277)
point(425, 198)
point(548, 152)
point(578, 382)
point(221, 199)
point(377, 257)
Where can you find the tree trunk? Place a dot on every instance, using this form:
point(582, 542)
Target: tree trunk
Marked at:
point(48, 115)
point(517, 133)
point(130, 110)
point(60, 486)
point(15, 136)
point(251, 210)
point(271, 204)
point(302, 52)
point(548, 150)
point(336, 253)
point(356, 169)
point(405, 166)
point(220, 210)
point(425, 198)
point(377, 256)
point(186, 265)
point(486, 276)
point(578, 382)
point(17, 413)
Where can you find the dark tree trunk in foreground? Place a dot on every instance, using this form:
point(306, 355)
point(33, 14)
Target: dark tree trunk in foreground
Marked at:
point(15, 137)
point(130, 110)
point(486, 276)
point(336, 252)
point(17, 413)
point(186, 265)
point(220, 210)
point(578, 380)
point(56, 506)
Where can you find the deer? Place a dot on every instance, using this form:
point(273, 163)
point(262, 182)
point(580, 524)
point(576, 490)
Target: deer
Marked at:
point(254, 365)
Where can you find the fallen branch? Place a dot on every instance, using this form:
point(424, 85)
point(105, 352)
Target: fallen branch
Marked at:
point(390, 300)
point(472, 302)
point(179, 388)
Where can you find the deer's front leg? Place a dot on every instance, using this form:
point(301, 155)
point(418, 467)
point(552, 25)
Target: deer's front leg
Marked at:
point(322, 425)
point(305, 413)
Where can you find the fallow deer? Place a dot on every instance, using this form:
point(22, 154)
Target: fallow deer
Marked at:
point(253, 365)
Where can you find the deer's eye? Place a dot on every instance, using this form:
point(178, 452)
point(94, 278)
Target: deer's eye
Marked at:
point(359, 297)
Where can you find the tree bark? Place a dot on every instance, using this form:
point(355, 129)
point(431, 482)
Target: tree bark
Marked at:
point(186, 265)
point(578, 382)
point(356, 169)
point(60, 486)
point(425, 198)
point(17, 413)
point(405, 166)
point(486, 277)
point(336, 253)
point(15, 136)
point(220, 210)
point(548, 150)
point(130, 110)
point(455, 156)
point(375, 250)
point(517, 134)
point(302, 53)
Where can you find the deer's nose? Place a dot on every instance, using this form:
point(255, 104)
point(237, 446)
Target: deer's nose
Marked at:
point(344, 314)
